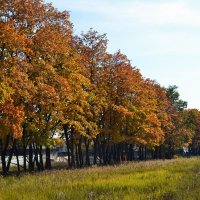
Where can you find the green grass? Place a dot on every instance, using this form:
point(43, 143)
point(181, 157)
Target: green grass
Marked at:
point(167, 180)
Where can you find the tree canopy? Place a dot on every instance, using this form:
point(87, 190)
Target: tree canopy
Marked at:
point(57, 87)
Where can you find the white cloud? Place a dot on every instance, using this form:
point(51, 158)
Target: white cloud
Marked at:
point(143, 22)
point(176, 12)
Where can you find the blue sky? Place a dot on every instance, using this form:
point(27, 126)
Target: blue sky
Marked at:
point(160, 37)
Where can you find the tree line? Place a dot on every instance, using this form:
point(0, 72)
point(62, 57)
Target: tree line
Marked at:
point(58, 88)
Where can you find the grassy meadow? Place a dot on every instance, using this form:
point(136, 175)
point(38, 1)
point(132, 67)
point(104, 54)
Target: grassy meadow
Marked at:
point(162, 179)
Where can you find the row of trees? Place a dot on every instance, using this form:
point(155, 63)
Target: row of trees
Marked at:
point(60, 89)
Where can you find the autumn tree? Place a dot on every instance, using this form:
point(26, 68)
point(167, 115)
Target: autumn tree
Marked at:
point(58, 88)
point(179, 133)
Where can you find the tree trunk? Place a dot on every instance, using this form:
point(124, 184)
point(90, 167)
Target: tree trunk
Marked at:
point(67, 144)
point(95, 150)
point(17, 157)
point(41, 159)
point(36, 150)
point(11, 155)
point(24, 150)
point(87, 156)
point(72, 149)
point(3, 155)
point(30, 157)
point(80, 152)
point(48, 158)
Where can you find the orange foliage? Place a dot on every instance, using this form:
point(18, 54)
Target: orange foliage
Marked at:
point(11, 118)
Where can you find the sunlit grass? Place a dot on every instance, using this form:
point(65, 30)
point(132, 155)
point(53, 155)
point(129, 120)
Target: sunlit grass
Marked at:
point(174, 179)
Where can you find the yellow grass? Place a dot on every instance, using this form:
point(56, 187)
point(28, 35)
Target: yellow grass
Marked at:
point(167, 180)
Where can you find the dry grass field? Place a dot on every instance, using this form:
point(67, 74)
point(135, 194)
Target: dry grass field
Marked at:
point(162, 179)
